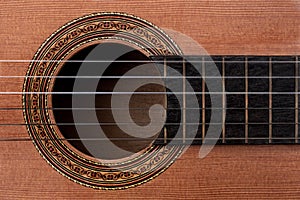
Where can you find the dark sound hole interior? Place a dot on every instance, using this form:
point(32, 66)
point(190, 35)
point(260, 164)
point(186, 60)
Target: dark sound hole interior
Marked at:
point(139, 104)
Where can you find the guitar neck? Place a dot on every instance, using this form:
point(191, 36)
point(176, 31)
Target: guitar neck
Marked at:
point(259, 96)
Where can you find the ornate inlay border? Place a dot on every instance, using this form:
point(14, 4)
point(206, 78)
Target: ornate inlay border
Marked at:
point(37, 94)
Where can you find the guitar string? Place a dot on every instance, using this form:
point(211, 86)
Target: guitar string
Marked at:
point(154, 77)
point(125, 123)
point(145, 139)
point(149, 93)
point(208, 77)
point(165, 77)
point(146, 108)
point(153, 61)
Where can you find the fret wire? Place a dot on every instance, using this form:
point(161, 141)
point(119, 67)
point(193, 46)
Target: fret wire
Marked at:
point(203, 100)
point(246, 100)
point(296, 101)
point(166, 100)
point(270, 100)
point(184, 100)
point(165, 135)
point(223, 101)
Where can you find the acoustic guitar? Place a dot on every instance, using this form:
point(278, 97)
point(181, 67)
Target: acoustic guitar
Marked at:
point(156, 99)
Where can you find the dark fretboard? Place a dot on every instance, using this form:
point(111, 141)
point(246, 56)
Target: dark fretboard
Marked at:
point(260, 99)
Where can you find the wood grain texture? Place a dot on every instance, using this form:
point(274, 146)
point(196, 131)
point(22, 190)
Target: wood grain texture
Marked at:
point(249, 172)
point(222, 27)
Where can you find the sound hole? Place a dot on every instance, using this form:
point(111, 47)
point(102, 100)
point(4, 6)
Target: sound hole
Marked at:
point(139, 104)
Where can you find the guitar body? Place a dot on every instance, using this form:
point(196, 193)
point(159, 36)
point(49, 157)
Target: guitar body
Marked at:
point(252, 27)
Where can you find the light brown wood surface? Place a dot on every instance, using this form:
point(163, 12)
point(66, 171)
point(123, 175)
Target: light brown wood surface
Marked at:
point(222, 27)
